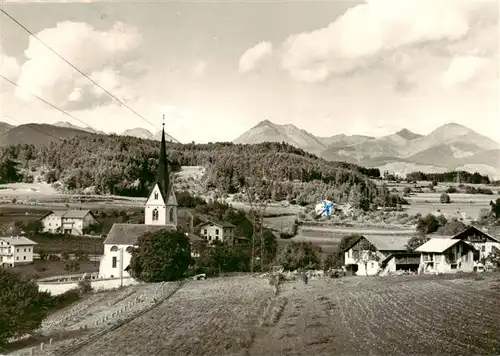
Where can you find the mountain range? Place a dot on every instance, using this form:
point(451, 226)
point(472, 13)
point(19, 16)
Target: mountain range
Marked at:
point(448, 147)
point(39, 134)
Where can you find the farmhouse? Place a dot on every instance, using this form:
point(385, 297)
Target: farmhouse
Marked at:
point(16, 250)
point(379, 254)
point(73, 222)
point(442, 255)
point(160, 214)
point(217, 231)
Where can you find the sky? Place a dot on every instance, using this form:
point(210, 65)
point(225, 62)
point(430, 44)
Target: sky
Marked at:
point(216, 69)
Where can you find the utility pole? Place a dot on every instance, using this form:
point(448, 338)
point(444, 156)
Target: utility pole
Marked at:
point(121, 267)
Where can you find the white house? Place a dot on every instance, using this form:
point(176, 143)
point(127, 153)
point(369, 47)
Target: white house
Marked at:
point(16, 250)
point(375, 254)
point(445, 255)
point(72, 222)
point(217, 231)
point(160, 214)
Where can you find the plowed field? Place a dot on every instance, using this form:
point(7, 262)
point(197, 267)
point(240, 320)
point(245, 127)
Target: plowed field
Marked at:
point(352, 316)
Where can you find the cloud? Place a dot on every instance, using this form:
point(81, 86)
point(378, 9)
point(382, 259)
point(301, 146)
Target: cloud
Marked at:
point(367, 32)
point(200, 68)
point(9, 67)
point(105, 56)
point(463, 69)
point(253, 56)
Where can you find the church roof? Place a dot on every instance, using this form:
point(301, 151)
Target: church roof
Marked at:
point(127, 234)
point(163, 175)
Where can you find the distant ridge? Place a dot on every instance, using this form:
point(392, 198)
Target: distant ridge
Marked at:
point(447, 147)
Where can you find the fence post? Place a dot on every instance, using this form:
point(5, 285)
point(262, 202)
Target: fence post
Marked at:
point(41, 346)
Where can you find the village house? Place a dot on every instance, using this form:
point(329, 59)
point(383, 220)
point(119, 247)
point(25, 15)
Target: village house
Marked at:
point(483, 242)
point(16, 250)
point(160, 214)
point(445, 255)
point(71, 222)
point(217, 231)
point(379, 254)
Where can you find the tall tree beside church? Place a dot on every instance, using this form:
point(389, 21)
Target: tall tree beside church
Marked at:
point(161, 256)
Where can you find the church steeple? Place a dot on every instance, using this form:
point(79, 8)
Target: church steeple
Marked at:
point(163, 175)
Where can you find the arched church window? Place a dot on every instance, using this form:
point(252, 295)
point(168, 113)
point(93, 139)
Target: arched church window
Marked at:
point(114, 248)
point(129, 249)
point(171, 215)
point(156, 195)
point(156, 215)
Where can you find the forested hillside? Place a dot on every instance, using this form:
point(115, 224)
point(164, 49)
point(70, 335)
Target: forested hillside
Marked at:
point(127, 166)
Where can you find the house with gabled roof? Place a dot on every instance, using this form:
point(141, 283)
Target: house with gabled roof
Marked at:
point(446, 255)
point(482, 240)
point(16, 250)
point(71, 222)
point(213, 230)
point(160, 214)
point(375, 254)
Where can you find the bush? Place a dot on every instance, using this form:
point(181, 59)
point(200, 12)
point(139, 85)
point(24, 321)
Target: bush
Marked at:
point(85, 286)
point(444, 198)
point(451, 190)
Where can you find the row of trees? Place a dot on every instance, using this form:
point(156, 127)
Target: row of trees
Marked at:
point(448, 177)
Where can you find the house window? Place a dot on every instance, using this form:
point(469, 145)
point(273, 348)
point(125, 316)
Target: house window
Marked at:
point(156, 195)
point(483, 248)
point(17, 258)
point(24, 258)
point(24, 250)
point(217, 231)
point(17, 249)
point(156, 215)
point(114, 249)
point(114, 262)
point(204, 231)
point(171, 215)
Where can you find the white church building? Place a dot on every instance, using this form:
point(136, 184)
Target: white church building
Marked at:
point(160, 213)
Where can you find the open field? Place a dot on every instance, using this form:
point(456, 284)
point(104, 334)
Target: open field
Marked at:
point(42, 269)
point(329, 237)
point(431, 315)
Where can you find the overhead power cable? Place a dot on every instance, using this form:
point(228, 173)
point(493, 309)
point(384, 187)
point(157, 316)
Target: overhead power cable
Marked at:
point(43, 100)
point(31, 127)
point(74, 67)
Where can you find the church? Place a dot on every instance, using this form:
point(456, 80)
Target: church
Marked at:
point(160, 212)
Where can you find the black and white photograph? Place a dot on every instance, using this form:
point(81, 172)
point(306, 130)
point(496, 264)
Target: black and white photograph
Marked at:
point(249, 177)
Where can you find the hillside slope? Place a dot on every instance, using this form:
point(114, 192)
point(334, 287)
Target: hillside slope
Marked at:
point(39, 134)
point(4, 127)
point(127, 166)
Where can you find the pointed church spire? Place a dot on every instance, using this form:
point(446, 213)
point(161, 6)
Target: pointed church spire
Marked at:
point(163, 176)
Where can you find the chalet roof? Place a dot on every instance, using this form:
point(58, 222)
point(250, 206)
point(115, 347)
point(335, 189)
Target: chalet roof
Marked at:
point(18, 241)
point(70, 214)
point(216, 222)
point(127, 234)
point(76, 214)
point(479, 230)
point(383, 242)
point(437, 245)
point(389, 242)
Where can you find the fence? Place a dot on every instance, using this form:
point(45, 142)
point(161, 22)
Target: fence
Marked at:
point(56, 288)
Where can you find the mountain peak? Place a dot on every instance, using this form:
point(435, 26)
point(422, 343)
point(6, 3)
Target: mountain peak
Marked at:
point(407, 134)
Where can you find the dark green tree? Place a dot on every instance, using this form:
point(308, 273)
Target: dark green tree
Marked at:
point(22, 306)
point(427, 224)
point(161, 256)
point(416, 241)
point(297, 255)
